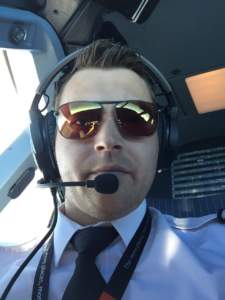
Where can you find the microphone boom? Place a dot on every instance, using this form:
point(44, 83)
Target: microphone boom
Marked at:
point(104, 183)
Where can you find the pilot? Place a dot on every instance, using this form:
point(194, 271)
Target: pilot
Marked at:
point(113, 246)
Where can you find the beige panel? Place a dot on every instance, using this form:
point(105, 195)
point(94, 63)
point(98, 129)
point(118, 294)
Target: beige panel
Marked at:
point(208, 90)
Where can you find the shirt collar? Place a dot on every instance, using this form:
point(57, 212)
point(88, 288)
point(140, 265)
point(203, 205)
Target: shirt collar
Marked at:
point(65, 229)
point(127, 226)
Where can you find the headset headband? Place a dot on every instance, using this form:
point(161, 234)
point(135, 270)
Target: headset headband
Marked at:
point(155, 73)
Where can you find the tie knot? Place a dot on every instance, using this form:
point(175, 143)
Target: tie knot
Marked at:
point(93, 240)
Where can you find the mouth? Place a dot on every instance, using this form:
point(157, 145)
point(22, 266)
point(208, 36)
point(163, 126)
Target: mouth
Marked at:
point(110, 169)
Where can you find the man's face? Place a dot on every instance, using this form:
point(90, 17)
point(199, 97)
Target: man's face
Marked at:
point(80, 160)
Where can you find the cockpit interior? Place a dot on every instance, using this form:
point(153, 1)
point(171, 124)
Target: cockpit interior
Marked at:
point(183, 39)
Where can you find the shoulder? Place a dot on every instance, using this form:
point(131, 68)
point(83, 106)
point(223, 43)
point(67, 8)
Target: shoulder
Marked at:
point(12, 255)
point(186, 223)
point(12, 247)
point(15, 248)
point(11, 258)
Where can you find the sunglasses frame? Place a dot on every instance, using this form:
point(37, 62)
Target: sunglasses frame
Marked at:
point(153, 111)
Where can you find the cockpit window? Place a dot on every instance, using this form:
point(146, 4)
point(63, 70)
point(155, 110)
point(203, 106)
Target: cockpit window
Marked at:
point(19, 80)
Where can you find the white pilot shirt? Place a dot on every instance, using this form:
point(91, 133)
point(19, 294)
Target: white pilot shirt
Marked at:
point(182, 259)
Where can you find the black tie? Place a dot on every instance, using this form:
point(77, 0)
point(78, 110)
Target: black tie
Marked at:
point(87, 282)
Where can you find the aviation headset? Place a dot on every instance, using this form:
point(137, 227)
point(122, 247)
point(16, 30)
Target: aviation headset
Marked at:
point(42, 127)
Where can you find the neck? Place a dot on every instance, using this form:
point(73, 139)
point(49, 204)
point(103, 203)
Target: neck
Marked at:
point(78, 216)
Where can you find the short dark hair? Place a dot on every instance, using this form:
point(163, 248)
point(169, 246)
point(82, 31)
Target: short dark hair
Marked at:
point(105, 54)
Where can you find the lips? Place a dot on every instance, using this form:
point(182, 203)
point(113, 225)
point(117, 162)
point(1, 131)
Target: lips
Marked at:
point(110, 169)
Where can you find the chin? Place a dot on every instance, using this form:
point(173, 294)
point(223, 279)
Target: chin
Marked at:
point(111, 207)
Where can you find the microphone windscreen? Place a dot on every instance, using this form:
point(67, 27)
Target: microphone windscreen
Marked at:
point(106, 183)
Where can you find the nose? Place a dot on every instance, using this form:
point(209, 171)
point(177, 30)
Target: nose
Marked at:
point(108, 138)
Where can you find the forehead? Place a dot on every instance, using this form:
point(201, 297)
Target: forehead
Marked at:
point(105, 85)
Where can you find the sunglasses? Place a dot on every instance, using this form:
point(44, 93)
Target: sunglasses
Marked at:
point(80, 120)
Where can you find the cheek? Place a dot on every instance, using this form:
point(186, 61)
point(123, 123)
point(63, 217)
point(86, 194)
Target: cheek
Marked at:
point(61, 154)
point(69, 157)
point(147, 158)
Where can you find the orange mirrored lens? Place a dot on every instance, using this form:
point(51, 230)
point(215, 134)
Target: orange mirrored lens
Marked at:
point(79, 120)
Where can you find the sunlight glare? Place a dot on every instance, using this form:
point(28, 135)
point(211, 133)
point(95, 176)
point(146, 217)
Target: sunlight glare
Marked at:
point(15, 102)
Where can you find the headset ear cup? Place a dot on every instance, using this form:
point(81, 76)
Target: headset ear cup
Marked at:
point(37, 142)
point(161, 128)
point(42, 130)
point(173, 137)
point(49, 131)
point(163, 134)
